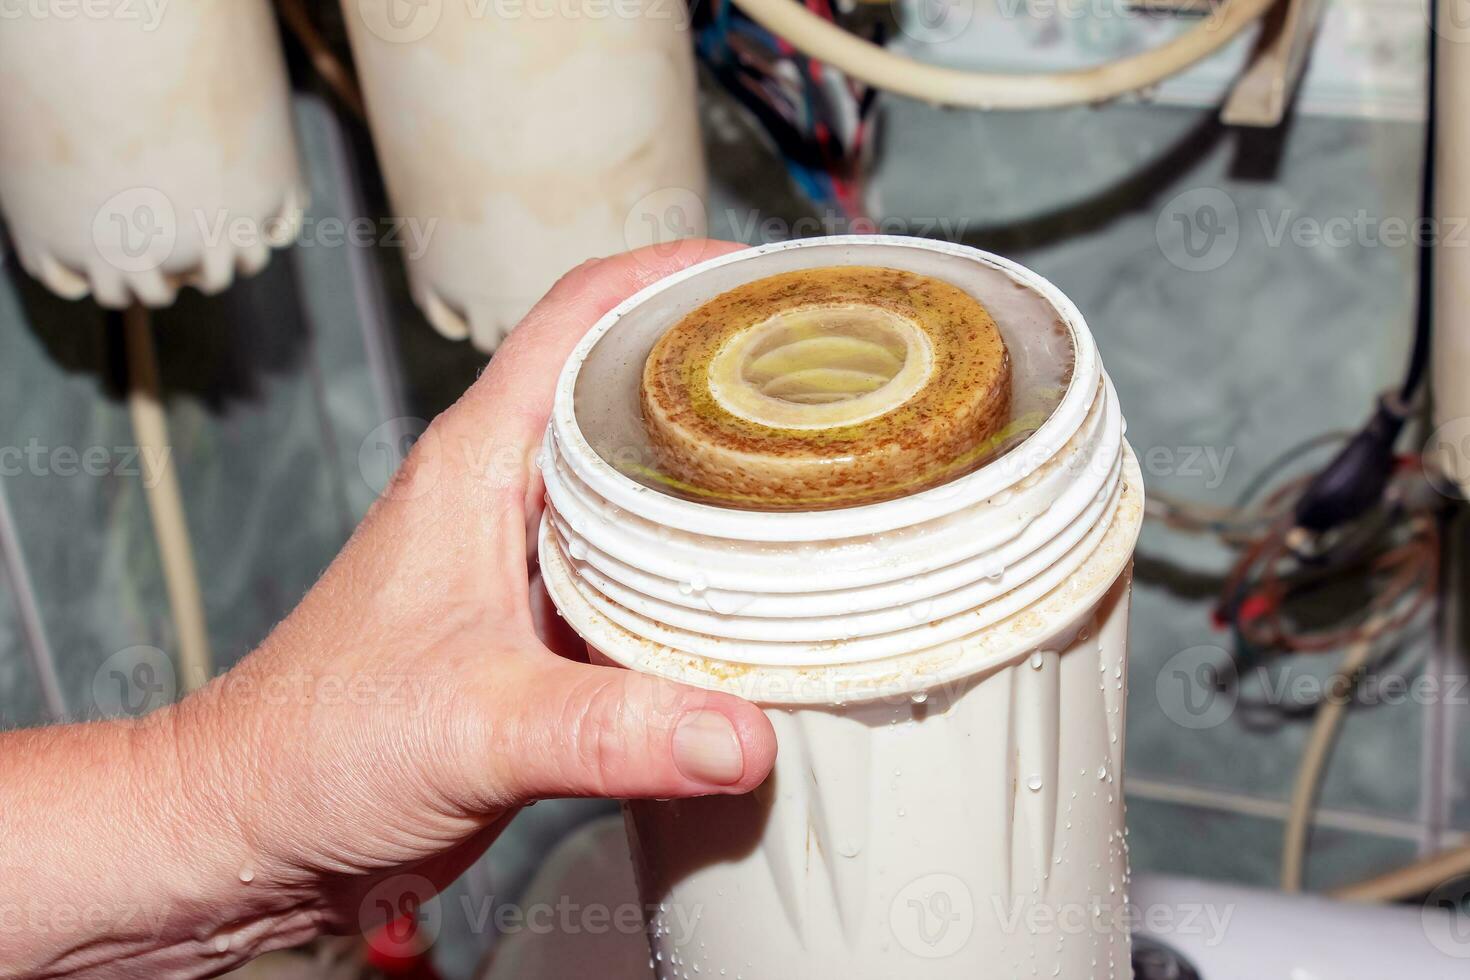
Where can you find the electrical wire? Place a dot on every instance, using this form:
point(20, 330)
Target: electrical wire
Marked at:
point(1424, 313)
point(817, 118)
point(165, 502)
point(1243, 519)
point(1356, 517)
point(1354, 481)
point(337, 76)
point(820, 38)
point(1395, 550)
point(1401, 574)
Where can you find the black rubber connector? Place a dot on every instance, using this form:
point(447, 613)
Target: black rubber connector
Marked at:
point(1353, 483)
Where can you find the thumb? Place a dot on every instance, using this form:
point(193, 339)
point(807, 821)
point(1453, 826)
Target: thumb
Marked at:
point(517, 390)
point(583, 730)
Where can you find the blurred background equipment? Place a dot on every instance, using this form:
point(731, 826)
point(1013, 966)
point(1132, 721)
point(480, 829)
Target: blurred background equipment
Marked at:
point(532, 142)
point(138, 158)
point(141, 157)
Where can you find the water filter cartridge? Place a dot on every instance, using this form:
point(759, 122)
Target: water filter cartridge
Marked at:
point(145, 146)
point(945, 669)
point(524, 137)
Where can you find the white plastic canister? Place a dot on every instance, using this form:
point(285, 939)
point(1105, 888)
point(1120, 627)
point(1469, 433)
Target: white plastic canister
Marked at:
point(144, 146)
point(945, 672)
point(526, 136)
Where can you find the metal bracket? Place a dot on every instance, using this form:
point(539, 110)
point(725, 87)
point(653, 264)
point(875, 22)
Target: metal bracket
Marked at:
point(1264, 90)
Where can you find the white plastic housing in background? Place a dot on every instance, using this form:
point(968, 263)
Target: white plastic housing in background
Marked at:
point(946, 673)
point(1449, 447)
point(148, 148)
point(525, 138)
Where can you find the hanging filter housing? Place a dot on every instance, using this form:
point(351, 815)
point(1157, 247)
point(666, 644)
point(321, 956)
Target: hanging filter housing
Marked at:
point(878, 486)
point(140, 154)
point(525, 139)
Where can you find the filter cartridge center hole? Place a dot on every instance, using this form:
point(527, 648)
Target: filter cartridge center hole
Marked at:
point(821, 367)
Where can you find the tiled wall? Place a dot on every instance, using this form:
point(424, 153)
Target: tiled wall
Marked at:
point(269, 394)
point(274, 387)
point(1223, 359)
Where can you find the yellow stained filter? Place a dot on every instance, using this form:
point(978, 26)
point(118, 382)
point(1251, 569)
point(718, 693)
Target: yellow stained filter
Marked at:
point(826, 388)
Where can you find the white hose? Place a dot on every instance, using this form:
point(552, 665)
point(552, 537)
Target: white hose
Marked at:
point(1411, 881)
point(165, 501)
point(867, 62)
point(1324, 734)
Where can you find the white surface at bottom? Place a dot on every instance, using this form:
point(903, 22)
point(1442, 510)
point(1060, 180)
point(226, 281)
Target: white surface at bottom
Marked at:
point(579, 923)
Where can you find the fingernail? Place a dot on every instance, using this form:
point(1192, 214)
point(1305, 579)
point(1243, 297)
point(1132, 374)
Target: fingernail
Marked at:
point(707, 750)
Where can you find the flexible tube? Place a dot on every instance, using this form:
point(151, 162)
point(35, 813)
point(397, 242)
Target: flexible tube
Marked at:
point(1410, 881)
point(879, 67)
point(1325, 729)
point(165, 502)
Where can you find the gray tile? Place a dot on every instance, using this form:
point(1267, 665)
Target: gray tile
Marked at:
point(1458, 775)
point(84, 529)
point(20, 694)
point(267, 397)
point(1218, 370)
point(502, 876)
point(1238, 741)
point(1170, 838)
point(1455, 678)
point(336, 280)
point(263, 485)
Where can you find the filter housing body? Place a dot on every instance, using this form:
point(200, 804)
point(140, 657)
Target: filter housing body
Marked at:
point(946, 672)
point(526, 137)
point(143, 152)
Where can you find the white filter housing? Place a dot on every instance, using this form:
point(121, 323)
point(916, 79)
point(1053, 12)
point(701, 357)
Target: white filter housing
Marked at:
point(1449, 445)
point(946, 672)
point(146, 149)
point(523, 137)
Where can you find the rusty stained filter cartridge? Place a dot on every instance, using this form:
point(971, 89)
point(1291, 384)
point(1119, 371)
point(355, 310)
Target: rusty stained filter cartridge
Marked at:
point(826, 388)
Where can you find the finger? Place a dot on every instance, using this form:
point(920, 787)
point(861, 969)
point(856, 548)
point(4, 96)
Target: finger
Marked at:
point(517, 389)
point(581, 730)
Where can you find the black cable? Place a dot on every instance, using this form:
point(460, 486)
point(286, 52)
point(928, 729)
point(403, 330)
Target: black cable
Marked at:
point(1424, 312)
point(1354, 481)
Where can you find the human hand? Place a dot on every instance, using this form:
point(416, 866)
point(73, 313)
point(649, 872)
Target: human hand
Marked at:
point(407, 707)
